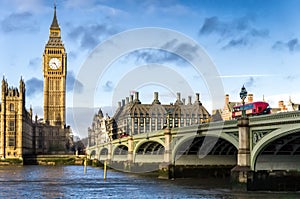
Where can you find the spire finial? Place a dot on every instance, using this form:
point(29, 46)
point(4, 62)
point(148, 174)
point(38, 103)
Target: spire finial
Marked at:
point(54, 24)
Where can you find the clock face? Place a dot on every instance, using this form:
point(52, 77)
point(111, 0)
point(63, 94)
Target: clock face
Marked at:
point(54, 63)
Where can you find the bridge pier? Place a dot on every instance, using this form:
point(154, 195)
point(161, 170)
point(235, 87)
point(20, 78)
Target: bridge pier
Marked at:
point(242, 172)
point(129, 164)
point(109, 152)
point(130, 149)
point(166, 169)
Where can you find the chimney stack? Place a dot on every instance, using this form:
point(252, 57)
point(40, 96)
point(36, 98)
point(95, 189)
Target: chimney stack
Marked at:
point(178, 96)
point(197, 101)
point(155, 100)
point(155, 95)
point(197, 97)
point(123, 102)
point(136, 95)
point(189, 100)
point(178, 100)
point(127, 100)
point(226, 99)
point(250, 98)
point(282, 106)
point(131, 98)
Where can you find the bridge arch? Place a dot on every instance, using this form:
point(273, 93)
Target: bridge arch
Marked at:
point(270, 138)
point(93, 154)
point(151, 148)
point(149, 151)
point(121, 149)
point(190, 138)
point(103, 153)
point(139, 144)
point(206, 150)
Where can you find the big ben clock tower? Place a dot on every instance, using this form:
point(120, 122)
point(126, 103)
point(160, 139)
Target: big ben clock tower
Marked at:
point(55, 72)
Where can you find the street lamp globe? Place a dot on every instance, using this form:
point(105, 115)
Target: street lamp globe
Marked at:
point(243, 95)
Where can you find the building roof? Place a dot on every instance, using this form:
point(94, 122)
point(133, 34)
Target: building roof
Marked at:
point(136, 109)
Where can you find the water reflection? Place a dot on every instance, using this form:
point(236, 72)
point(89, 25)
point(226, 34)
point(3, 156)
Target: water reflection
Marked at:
point(70, 182)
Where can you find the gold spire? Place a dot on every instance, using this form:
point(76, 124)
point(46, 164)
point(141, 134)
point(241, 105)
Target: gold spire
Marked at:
point(54, 24)
point(54, 36)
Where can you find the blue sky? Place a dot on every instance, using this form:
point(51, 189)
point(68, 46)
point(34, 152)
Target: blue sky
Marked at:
point(251, 42)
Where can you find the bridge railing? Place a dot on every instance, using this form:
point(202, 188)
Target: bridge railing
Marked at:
point(293, 116)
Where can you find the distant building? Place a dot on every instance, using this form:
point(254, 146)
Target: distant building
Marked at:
point(282, 107)
point(291, 106)
point(52, 139)
point(132, 117)
point(98, 132)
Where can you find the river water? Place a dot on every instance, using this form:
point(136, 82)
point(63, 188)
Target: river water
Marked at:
point(71, 182)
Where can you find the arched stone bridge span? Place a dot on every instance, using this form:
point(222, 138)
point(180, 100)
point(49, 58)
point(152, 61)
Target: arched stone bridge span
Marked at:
point(274, 144)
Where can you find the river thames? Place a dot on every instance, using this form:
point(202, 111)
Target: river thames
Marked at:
point(71, 182)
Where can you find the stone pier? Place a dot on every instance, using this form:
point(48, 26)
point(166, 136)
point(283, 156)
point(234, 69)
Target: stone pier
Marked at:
point(241, 172)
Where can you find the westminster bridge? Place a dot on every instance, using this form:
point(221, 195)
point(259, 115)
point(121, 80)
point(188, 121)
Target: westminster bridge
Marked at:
point(262, 143)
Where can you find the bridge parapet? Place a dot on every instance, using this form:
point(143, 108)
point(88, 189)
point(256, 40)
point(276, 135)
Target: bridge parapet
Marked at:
point(288, 117)
point(212, 126)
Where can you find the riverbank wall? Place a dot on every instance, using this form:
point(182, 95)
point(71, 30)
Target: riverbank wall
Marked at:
point(54, 160)
point(45, 160)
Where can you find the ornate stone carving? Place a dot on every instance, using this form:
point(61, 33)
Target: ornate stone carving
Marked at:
point(257, 135)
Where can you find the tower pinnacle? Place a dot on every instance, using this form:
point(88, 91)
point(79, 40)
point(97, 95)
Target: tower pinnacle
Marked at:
point(54, 24)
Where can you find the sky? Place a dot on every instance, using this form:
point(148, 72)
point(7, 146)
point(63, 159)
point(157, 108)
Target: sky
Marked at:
point(251, 42)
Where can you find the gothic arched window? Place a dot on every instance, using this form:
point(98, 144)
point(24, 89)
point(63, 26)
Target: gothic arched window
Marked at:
point(11, 107)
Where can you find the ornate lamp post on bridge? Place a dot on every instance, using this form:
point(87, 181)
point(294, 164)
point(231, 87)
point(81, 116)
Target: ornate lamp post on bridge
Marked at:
point(243, 95)
point(241, 172)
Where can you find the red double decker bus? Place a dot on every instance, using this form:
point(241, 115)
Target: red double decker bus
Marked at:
point(254, 108)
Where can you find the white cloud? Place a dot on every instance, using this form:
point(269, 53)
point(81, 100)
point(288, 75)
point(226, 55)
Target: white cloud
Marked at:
point(249, 75)
point(35, 6)
point(176, 9)
point(93, 5)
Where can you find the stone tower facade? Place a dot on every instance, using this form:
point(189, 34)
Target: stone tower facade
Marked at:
point(16, 131)
point(55, 72)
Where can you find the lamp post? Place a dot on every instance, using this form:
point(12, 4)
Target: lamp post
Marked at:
point(243, 95)
point(241, 173)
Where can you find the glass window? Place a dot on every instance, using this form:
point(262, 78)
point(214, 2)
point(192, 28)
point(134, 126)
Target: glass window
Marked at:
point(158, 123)
point(248, 106)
